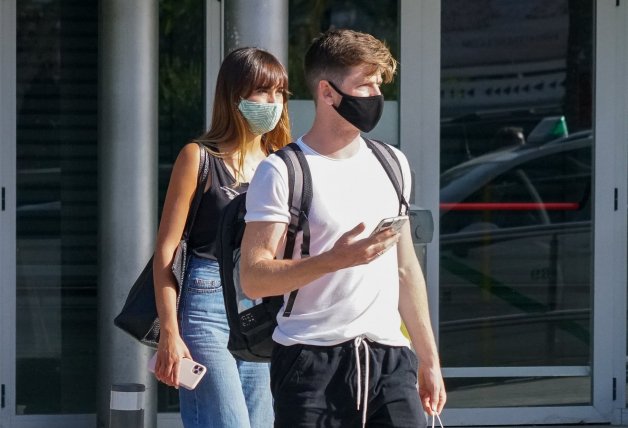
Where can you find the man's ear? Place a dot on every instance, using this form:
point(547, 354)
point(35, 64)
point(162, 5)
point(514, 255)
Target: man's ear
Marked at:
point(325, 92)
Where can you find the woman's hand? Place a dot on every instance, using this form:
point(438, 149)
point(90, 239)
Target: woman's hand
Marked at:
point(170, 350)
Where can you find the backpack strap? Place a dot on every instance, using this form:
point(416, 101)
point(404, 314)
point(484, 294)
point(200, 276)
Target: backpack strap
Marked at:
point(387, 157)
point(299, 201)
point(203, 174)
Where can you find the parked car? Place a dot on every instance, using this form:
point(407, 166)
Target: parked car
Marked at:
point(516, 249)
point(465, 137)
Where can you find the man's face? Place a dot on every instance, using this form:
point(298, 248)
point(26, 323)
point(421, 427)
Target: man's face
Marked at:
point(360, 81)
point(357, 98)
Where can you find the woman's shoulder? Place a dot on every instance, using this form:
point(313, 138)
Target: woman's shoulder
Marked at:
point(190, 151)
point(188, 160)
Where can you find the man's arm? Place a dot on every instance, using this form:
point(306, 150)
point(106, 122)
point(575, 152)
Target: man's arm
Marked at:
point(263, 275)
point(414, 311)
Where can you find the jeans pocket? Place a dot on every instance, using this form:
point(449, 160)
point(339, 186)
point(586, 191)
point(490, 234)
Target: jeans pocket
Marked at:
point(204, 285)
point(203, 276)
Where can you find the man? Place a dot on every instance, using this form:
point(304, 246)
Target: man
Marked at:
point(507, 136)
point(341, 359)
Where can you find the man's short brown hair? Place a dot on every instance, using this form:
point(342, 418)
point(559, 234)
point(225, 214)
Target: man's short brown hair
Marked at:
point(334, 51)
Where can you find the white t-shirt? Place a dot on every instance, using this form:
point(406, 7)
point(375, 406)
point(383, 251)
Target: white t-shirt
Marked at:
point(357, 301)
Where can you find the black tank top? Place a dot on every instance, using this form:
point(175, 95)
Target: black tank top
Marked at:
point(204, 234)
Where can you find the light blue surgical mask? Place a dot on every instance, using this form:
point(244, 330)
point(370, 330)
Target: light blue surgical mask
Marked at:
point(261, 117)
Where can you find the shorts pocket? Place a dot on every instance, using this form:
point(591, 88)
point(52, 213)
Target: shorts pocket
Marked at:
point(413, 361)
point(285, 366)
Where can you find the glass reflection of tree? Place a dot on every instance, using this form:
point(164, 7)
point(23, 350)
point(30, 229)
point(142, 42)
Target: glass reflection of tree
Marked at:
point(577, 103)
point(308, 18)
point(181, 72)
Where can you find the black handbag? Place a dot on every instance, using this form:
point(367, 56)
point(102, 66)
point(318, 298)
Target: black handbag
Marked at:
point(138, 316)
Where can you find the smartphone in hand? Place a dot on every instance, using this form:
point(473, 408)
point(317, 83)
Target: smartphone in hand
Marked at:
point(190, 372)
point(394, 223)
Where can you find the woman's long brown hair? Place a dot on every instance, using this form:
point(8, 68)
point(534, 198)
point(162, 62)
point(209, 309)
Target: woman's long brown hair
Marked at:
point(243, 71)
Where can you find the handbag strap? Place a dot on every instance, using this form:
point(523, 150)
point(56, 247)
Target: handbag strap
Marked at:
point(203, 174)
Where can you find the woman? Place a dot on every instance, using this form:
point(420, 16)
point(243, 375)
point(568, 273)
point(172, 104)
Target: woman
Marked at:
point(249, 121)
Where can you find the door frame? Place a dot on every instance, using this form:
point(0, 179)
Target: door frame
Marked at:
point(611, 208)
point(419, 130)
point(7, 211)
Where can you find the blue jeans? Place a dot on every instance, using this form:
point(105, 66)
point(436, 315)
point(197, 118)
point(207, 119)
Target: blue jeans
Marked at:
point(233, 393)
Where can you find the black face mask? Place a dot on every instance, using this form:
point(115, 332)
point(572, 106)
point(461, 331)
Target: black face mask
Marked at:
point(361, 112)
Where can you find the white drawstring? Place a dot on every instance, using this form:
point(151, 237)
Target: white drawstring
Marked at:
point(434, 417)
point(356, 343)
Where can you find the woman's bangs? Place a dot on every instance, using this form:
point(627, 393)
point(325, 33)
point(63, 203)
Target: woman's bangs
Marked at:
point(270, 75)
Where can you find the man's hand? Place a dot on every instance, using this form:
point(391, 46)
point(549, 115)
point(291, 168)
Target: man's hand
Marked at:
point(350, 251)
point(263, 274)
point(432, 390)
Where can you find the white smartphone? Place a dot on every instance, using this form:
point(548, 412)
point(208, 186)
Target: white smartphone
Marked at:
point(394, 223)
point(190, 372)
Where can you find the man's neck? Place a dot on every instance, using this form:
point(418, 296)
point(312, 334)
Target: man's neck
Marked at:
point(332, 141)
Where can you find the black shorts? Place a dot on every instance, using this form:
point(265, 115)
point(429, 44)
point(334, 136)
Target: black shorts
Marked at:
point(317, 386)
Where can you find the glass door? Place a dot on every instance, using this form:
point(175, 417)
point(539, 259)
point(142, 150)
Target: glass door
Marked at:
point(55, 306)
point(47, 224)
point(516, 279)
point(56, 207)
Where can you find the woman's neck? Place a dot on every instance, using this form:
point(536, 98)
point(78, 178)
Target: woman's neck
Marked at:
point(251, 154)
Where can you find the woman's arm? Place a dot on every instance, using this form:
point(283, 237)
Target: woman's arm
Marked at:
point(179, 196)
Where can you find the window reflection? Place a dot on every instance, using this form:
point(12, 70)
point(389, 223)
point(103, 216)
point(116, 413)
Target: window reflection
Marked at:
point(515, 219)
point(307, 20)
point(56, 207)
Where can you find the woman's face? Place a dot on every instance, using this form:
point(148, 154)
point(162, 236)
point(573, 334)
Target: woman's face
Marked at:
point(267, 95)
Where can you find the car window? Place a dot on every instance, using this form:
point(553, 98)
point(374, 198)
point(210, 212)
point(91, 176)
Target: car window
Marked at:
point(494, 205)
point(547, 190)
point(563, 181)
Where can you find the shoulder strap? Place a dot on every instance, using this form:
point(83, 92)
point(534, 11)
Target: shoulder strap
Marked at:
point(299, 197)
point(391, 165)
point(203, 174)
point(299, 201)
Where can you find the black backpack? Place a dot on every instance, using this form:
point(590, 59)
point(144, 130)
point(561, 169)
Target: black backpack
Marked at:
point(252, 322)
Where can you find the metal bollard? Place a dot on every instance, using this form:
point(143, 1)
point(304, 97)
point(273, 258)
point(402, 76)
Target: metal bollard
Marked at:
point(126, 408)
